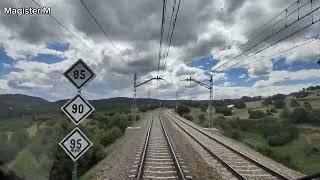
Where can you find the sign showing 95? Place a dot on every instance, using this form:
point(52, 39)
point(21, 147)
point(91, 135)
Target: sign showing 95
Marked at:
point(75, 144)
point(77, 109)
point(79, 74)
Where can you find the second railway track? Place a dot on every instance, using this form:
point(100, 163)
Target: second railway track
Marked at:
point(238, 164)
point(158, 158)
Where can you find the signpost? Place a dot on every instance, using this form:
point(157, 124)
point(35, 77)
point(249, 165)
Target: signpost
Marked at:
point(75, 144)
point(77, 109)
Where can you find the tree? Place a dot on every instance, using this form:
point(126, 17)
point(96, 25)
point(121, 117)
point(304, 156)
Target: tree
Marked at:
point(224, 110)
point(299, 115)
point(188, 116)
point(201, 118)
point(279, 103)
point(181, 110)
point(240, 105)
point(257, 114)
point(307, 105)
point(267, 101)
point(294, 103)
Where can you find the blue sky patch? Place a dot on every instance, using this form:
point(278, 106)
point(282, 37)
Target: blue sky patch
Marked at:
point(62, 47)
point(296, 66)
point(47, 58)
point(205, 63)
point(6, 63)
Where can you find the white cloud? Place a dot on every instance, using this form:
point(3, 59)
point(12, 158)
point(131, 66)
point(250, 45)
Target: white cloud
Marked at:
point(277, 77)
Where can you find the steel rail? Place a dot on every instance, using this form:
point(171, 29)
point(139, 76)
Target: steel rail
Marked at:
point(144, 152)
point(181, 175)
point(233, 171)
point(272, 172)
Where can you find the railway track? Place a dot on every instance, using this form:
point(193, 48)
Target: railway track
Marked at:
point(157, 158)
point(239, 165)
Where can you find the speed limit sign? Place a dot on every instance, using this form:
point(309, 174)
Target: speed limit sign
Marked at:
point(79, 74)
point(75, 144)
point(77, 109)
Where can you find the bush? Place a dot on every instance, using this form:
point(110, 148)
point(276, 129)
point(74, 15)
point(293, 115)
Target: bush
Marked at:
point(279, 139)
point(294, 103)
point(307, 105)
point(181, 110)
point(188, 116)
point(273, 110)
point(285, 113)
point(224, 110)
point(111, 135)
point(299, 115)
point(203, 107)
point(257, 114)
point(201, 118)
point(240, 105)
point(267, 102)
point(279, 103)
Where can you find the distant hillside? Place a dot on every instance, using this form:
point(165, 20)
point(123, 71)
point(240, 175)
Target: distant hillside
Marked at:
point(17, 104)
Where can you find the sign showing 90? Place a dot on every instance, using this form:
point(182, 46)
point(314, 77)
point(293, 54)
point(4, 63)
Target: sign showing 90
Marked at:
point(77, 108)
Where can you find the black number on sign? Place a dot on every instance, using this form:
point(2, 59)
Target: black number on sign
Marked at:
point(75, 147)
point(79, 143)
point(76, 108)
point(82, 74)
point(73, 143)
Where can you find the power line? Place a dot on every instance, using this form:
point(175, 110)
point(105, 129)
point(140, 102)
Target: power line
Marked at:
point(62, 25)
point(272, 35)
point(273, 18)
point(274, 43)
point(100, 27)
point(174, 25)
point(170, 26)
point(278, 53)
point(164, 5)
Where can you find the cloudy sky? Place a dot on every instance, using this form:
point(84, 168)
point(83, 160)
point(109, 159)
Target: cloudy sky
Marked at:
point(35, 50)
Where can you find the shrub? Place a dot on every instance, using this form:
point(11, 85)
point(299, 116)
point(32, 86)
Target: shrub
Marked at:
point(111, 135)
point(224, 110)
point(267, 102)
point(294, 103)
point(188, 116)
point(240, 105)
point(299, 115)
point(285, 113)
point(273, 110)
point(203, 107)
point(279, 103)
point(201, 118)
point(181, 110)
point(257, 114)
point(307, 105)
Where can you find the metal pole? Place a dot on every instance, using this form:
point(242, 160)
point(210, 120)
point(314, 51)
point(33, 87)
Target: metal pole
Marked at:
point(210, 103)
point(134, 98)
point(75, 171)
point(177, 98)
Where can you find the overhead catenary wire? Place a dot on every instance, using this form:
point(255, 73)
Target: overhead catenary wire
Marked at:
point(164, 5)
point(258, 32)
point(286, 37)
point(62, 25)
point(114, 48)
point(172, 32)
point(275, 54)
point(272, 35)
point(170, 26)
